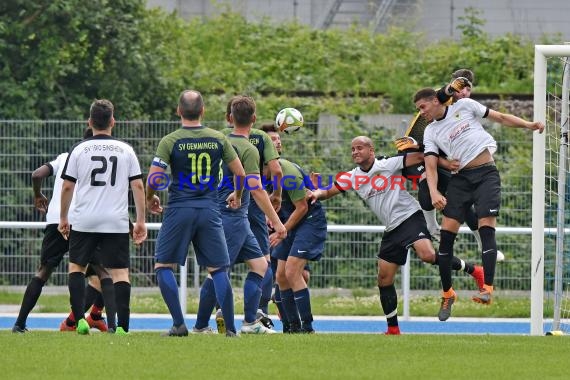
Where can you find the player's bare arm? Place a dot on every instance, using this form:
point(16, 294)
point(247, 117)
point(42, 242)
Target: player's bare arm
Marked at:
point(447, 164)
point(413, 159)
point(139, 228)
point(152, 200)
point(438, 200)
point(323, 193)
point(239, 178)
point(509, 120)
point(277, 173)
point(301, 208)
point(262, 199)
point(66, 197)
point(38, 175)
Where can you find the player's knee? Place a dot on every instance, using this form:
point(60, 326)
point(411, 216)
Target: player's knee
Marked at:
point(258, 266)
point(44, 272)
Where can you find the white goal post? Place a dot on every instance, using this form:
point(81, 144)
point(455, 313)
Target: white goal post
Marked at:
point(542, 52)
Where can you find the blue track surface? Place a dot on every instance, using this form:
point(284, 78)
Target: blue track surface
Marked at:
point(154, 322)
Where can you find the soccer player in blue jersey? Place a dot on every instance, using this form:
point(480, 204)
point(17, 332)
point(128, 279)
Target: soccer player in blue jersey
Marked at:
point(307, 232)
point(242, 244)
point(269, 161)
point(194, 154)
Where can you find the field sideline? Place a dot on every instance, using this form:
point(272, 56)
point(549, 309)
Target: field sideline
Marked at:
point(142, 355)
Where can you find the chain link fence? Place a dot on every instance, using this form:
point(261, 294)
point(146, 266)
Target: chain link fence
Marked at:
point(349, 259)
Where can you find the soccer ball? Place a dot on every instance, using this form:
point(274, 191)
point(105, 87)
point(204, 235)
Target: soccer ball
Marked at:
point(289, 120)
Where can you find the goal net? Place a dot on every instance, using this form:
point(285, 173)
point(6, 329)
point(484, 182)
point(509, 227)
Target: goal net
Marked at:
point(550, 271)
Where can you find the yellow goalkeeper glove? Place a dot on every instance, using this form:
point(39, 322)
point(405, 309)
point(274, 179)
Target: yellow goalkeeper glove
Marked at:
point(406, 143)
point(459, 84)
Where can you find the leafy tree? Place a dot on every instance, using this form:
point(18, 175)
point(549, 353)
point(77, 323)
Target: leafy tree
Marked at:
point(58, 55)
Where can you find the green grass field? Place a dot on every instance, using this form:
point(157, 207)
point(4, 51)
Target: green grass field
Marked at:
point(55, 355)
point(363, 302)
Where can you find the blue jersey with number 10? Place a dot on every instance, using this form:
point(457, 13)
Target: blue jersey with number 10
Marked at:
point(195, 156)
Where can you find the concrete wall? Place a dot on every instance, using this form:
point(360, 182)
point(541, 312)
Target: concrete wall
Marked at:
point(437, 18)
point(530, 18)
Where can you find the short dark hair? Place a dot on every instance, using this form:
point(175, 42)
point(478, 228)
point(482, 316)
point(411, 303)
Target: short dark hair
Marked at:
point(425, 93)
point(190, 104)
point(88, 132)
point(243, 109)
point(101, 113)
point(229, 106)
point(465, 73)
point(269, 127)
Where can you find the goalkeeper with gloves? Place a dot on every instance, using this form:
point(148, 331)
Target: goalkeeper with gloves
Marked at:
point(460, 87)
point(457, 130)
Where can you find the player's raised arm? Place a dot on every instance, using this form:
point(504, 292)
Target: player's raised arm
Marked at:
point(509, 120)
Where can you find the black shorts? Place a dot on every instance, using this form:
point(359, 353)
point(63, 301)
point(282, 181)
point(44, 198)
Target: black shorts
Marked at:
point(109, 249)
point(479, 186)
point(54, 247)
point(394, 245)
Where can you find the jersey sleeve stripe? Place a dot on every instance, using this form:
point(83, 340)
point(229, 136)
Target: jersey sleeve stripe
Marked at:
point(69, 178)
point(138, 176)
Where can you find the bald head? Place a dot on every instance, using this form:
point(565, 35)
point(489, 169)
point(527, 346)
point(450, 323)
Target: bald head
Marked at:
point(190, 105)
point(364, 141)
point(363, 152)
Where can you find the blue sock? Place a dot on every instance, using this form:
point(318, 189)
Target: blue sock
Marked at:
point(206, 304)
point(251, 296)
point(169, 290)
point(225, 297)
point(303, 302)
point(266, 289)
point(279, 305)
point(290, 307)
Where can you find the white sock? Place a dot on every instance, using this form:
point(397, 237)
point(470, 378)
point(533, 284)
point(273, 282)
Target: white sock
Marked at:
point(431, 220)
point(478, 238)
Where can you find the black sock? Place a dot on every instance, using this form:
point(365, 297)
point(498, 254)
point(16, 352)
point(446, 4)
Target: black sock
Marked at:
point(77, 294)
point(123, 299)
point(489, 253)
point(99, 302)
point(90, 294)
point(458, 264)
point(33, 291)
point(108, 293)
point(445, 257)
point(389, 303)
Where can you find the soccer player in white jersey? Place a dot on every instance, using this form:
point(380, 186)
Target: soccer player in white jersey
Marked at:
point(102, 168)
point(457, 130)
point(54, 247)
point(379, 182)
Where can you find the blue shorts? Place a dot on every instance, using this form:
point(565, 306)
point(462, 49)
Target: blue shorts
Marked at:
point(242, 245)
point(202, 227)
point(258, 226)
point(306, 241)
